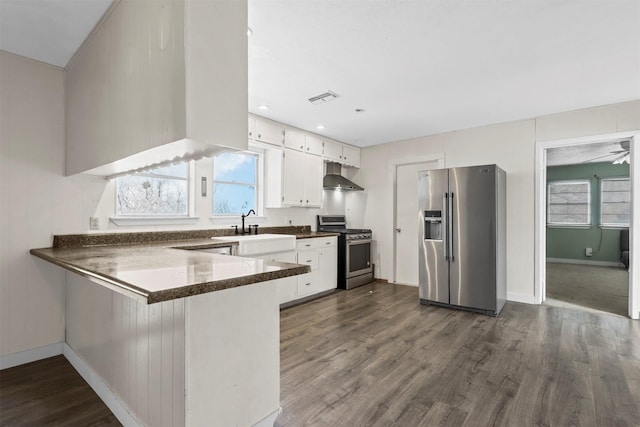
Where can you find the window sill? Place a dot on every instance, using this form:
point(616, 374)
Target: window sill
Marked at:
point(614, 227)
point(150, 220)
point(575, 227)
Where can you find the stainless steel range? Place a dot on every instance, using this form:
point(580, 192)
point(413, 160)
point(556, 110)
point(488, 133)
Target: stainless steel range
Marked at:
point(354, 251)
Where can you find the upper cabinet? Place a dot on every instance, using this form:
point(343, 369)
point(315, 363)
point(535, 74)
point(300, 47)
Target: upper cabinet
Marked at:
point(156, 82)
point(268, 132)
point(335, 151)
point(299, 141)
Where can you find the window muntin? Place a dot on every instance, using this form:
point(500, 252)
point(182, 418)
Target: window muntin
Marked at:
point(569, 203)
point(615, 202)
point(235, 180)
point(162, 191)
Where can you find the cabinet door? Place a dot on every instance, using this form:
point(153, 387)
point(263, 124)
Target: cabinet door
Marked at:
point(268, 133)
point(309, 257)
point(313, 145)
point(351, 155)
point(252, 129)
point(294, 140)
point(327, 276)
point(307, 284)
point(332, 150)
point(313, 169)
point(293, 177)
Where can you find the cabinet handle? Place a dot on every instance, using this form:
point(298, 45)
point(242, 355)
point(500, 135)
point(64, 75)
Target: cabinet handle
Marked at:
point(259, 135)
point(327, 243)
point(249, 133)
point(300, 200)
point(307, 284)
point(308, 245)
point(308, 260)
point(302, 147)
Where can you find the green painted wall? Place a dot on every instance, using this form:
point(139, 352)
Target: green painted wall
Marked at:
point(570, 243)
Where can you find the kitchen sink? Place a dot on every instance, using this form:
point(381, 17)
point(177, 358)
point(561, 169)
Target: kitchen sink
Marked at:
point(257, 244)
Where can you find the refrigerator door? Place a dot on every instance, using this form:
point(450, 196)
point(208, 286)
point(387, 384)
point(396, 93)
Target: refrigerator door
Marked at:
point(473, 241)
point(433, 275)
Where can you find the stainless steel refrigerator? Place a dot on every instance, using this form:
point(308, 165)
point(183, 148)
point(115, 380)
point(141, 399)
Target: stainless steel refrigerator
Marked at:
point(462, 244)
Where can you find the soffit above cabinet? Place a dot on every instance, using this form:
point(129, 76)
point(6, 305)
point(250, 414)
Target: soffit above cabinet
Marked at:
point(158, 81)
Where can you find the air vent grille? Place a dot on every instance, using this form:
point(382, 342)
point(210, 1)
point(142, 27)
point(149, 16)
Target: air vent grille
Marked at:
point(323, 97)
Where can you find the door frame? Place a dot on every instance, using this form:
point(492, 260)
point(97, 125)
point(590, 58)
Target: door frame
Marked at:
point(393, 178)
point(541, 206)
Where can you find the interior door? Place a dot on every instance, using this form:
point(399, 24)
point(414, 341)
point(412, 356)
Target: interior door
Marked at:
point(406, 224)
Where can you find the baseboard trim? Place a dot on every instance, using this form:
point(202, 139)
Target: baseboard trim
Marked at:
point(585, 262)
point(27, 356)
point(523, 298)
point(269, 420)
point(101, 388)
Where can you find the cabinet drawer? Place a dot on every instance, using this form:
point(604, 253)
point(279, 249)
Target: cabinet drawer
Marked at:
point(307, 284)
point(316, 243)
point(309, 258)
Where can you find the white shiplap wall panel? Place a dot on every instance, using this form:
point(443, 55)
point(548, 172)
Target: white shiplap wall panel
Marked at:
point(137, 349)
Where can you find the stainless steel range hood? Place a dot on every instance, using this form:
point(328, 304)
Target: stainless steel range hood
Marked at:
point(334, 180)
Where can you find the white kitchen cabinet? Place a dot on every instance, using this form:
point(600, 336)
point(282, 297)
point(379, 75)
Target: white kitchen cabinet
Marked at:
point(293, 178)
point(350, 155)
point(300, 141)
point(294, 140)
point(252, 129)
point(321, 255)
point(269, 133)
point(347, 155)
point(313, 145)
point(140, 90)
point(328, 266)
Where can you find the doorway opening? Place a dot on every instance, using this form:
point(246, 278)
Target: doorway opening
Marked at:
point(405, 215)
point(581, 223)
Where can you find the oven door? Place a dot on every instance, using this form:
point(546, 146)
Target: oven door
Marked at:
point(358, 257)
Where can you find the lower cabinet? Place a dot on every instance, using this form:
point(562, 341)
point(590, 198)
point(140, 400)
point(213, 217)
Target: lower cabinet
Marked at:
point(321, 255)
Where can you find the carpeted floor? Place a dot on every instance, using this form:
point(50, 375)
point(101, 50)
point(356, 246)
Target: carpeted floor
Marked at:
point(586, 287)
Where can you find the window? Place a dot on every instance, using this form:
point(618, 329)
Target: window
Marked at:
point(568, 203)
point(235, 180)
point(162, 191)
point(615, 197)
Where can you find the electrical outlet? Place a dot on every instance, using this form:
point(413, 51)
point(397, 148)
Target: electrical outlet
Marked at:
point(94, 223)
point(588, 252)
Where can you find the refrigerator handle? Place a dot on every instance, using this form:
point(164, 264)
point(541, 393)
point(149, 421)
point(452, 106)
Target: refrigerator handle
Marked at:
point(445, 224)
point(450, 226)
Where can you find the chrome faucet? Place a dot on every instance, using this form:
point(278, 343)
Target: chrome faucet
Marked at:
point(243, 217)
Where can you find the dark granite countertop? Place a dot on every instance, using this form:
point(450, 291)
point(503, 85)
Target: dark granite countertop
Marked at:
point(155, 267)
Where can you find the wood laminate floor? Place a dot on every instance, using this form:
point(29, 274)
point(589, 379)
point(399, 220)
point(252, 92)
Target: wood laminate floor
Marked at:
point(50, 392)
point(373, 356)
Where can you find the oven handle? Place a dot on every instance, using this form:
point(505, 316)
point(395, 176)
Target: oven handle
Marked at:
point(358, 242)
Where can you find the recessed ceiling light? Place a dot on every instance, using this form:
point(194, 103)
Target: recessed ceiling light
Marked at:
point(249, 32)
point(320, 127)
point(263, 107)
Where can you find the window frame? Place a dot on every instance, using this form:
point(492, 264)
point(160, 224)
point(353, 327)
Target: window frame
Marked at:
point(130, 219)
point(589, 214)
point(253, 150)
point(601, 193)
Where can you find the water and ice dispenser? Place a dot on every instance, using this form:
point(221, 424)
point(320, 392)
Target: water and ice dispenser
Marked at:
point(432, 225)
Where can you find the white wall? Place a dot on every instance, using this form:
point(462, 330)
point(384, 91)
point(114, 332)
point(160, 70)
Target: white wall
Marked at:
point(510, 145)
point(36, 201)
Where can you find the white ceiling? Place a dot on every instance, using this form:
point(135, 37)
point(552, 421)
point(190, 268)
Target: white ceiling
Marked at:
point(416, 67)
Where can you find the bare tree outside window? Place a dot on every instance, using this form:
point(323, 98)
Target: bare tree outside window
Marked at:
point(159, 192)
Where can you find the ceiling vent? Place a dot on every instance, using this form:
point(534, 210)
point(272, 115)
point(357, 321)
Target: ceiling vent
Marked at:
point(323, 97)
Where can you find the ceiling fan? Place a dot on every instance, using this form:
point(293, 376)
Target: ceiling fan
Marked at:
point(619, 156)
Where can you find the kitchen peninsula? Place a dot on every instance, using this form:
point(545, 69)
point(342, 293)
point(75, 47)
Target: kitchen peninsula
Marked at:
point(176, 336)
